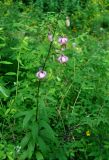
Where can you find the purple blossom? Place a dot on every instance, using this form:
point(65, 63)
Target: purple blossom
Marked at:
point(62, 58)
point(41, 74)
point(63, 40)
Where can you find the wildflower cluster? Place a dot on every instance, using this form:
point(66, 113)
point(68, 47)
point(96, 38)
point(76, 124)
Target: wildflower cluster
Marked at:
point(61, 59)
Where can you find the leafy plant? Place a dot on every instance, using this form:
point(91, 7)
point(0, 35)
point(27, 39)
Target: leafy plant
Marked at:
point(54, 90)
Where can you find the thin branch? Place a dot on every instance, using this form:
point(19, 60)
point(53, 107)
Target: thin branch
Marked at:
point(39, 82)
point(17, 79)
point(77, 96)
point(65, 96)
point(51, 43)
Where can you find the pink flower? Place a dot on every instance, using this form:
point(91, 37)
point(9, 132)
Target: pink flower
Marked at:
point(62, 58)
point(63, 40)
point(50, 37)
point(41, 74)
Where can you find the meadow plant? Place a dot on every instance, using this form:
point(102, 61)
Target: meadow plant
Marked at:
point(59, 112)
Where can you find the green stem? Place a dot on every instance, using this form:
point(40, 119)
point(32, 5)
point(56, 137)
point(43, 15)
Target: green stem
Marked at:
point(17, 79)
point(37, 106)
point(39, 83)
point(77, 97)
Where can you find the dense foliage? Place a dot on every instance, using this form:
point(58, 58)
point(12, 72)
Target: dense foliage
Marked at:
point(65, 115)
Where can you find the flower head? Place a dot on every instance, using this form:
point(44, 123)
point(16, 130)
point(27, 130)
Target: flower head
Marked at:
point(63, 40)
point(88, 133)
point(62, 58)
point(41, 74)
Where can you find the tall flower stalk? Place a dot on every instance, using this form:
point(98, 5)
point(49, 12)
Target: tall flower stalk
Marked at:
point(41, 74)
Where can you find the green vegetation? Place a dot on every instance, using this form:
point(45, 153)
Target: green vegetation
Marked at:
point(54, 93)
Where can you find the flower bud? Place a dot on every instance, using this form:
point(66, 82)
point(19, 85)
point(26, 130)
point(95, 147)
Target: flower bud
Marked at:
point(62, 58)
point(63, 49)
point(67, 22)
point(41, 74)
point(50, 37)
point(74, 45)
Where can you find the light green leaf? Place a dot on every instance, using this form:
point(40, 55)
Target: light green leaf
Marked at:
point(35, 131)
point(39, 156)
point(20, 114)
point(4, 91)
point(42, 145)
point(31, 146)
point(11, 74)
point(10, 157)
point(27, 118)
point(47, 131)
point(25, 140)
point(24, 155)
point(5, 62)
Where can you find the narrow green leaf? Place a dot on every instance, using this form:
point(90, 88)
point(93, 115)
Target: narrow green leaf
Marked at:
point(5, 62)
point(35, 131)
point(31, 146)
point(42, 145)
point(25, 140)
point(47, 131)
point(27, 118)
point(24, 155)
point(20, 114)
point(39, 156)
point(10, 157)
point(42, 110)
point(10, 73)
point(3, 91)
